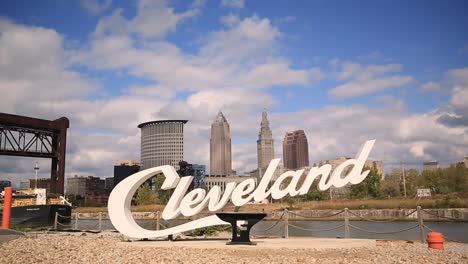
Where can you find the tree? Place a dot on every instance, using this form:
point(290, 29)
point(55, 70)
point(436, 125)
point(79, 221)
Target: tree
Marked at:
point(391, 186)
point(412, 181)
point(432, 179)
point(369, 187)
point(145, 195)
point(163, 196)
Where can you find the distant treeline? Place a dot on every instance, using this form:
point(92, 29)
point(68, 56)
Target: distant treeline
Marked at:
point(453, 179)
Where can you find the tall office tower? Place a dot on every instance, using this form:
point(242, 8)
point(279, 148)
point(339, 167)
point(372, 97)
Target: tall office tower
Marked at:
point(295, 150)
point(162, 143)
point(220, 147)
point(265, 145)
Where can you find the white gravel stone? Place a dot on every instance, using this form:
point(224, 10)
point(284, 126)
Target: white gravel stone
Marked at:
point(108, 248)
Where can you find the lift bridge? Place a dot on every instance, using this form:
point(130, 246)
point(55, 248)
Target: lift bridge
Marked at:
point(32, 137)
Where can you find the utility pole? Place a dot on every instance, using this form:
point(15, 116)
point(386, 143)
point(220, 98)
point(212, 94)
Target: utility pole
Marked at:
point(36, 168)
point(404, 178)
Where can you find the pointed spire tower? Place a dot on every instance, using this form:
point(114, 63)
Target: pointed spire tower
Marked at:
point(265, 145)
point(220, 147)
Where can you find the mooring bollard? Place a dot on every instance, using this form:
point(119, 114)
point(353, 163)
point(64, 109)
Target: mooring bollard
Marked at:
point(346, 222)
point(435, 240)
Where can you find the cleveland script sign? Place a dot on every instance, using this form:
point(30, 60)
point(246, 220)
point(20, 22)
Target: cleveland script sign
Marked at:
point(189, 204)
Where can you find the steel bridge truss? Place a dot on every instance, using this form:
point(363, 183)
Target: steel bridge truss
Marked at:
point(17, 141)
point(32, 137)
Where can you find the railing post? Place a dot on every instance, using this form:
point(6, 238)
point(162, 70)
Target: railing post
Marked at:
point(286, 223)
point(100, 221)
point(420, 223)
point(76, 221)
point(158, 220)
point(346, 222)
point(55, 221)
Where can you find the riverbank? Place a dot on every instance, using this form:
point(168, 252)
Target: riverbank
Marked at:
point(353, 204)
point(433, 215)
point(108, 248)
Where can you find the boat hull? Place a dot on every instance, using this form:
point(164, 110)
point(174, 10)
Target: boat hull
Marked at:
point(39, 215)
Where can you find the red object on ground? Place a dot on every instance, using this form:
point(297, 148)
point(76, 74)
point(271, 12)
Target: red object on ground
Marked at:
point(435, 240)
point(7, 207)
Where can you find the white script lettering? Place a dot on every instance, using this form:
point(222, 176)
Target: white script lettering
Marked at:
point(189, 204)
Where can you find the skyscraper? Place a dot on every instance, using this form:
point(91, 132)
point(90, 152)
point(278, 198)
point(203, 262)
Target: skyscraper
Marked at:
point(265, 145)
point(295, 150)
point(162, 143)
point(220, 147)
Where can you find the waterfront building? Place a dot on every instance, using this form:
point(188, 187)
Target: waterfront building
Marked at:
point(25, 185)
point(211, 181)
point(123, 169)
point(162, 143)
point(265, 145)
point(220, 147)
point(377, 165)
point(43, 183)
point(430, 165)
point(85, 186)
point(295, 150)
point(76, 186)
point(109, 184)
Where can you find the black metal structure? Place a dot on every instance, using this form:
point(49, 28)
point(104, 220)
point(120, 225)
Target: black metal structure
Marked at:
point(32, 137)
point(249, 219)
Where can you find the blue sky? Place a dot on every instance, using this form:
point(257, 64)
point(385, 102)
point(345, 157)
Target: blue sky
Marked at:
point(343, 71)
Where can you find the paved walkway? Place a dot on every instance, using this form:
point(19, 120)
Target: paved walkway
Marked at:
point(270, 243)
point(8, 235)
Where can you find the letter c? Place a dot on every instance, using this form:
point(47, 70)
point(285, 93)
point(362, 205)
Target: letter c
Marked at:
point(121, 197)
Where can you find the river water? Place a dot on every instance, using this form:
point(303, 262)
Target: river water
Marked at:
point(457, 231)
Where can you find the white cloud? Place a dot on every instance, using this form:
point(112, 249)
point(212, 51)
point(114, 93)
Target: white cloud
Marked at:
point(230, 20)
point(391, 101)
point(233, 3)
point(33, 69)
point(242, 55)
point(95, 6)
point(154, 19)
point(367, 79)
point(430, 86)
point(457, 113)
point(250, 39)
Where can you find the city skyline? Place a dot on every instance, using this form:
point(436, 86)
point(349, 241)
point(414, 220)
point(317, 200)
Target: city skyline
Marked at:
point(342, 72)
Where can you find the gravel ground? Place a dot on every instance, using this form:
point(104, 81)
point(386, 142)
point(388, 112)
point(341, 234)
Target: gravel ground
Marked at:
point(107, 248)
